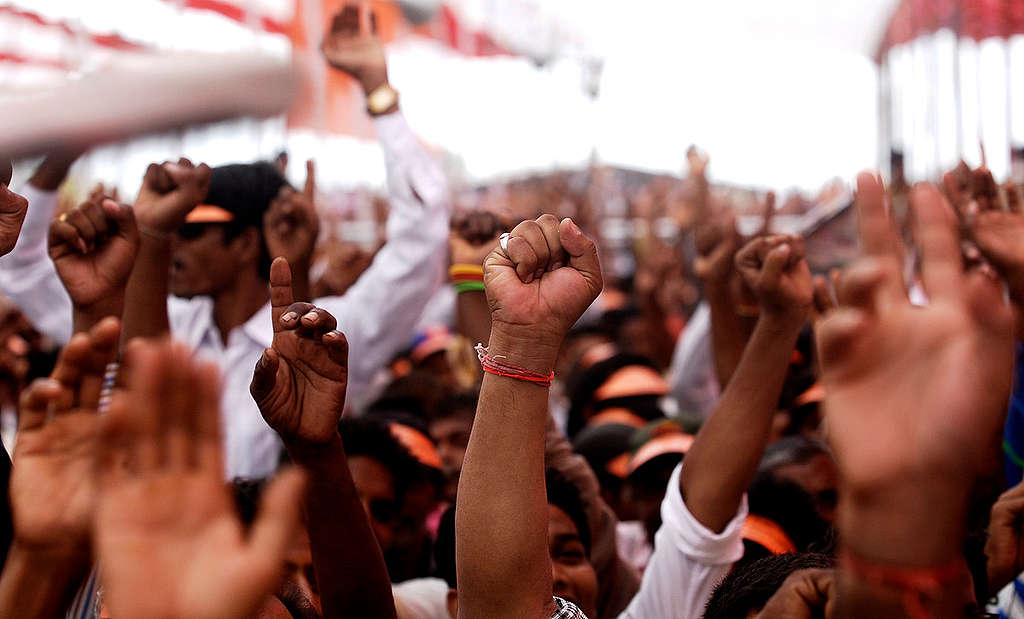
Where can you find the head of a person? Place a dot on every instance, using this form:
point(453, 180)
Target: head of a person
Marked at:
point(602, 445)
point(624, 380)
point(809, 463)
point(221, 240)
point(298, 597)
point(449, 427)
point(787, 517)
point(573, 576)
point(658, 448)
point(381, 469)
point(745, 591)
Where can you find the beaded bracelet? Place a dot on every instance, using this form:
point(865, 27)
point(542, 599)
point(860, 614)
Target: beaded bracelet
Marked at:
point(492, 365)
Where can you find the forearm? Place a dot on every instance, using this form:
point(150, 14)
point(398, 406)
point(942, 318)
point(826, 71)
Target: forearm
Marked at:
point(145, 312)
point(729, 331)
point(36, 585)
point(350, 569)
point(85, 318)
point(501, 528)
point(723, 460)
point(472, 315)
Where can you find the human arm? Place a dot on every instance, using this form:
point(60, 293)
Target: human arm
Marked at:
point(169, 191)
point(804, 595)
point(165, 524)
point(380, 312)
point(915, 399)
point(27, 276)
point(503, 564)
point(1004, 548)
point(93, 247)
point(290, 229)
point(299, 386)
point(51, 486)
point(473, 237)
point(723, 460)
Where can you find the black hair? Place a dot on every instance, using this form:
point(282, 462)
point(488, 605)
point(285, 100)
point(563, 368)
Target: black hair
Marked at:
point(562, 493)
point(418, 393)
point(747, 589)
point(792, 450)
point(246, 189)
point(247, 493)
point(371, 438)
point(458, 405)
point(788, 505)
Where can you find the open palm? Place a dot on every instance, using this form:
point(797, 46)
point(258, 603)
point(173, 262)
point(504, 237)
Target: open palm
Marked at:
point(299, 383)
point(51, 488)
point(913, 389)
point(164, 516)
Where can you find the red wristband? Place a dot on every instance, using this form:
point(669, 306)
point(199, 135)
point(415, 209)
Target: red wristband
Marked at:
point(492, 365)
point(915, 583)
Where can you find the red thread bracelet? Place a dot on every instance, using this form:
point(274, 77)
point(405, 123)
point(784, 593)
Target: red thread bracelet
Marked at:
point(492, 365)
point(914, 583)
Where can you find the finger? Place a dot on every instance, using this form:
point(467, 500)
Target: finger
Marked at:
point(104, 339)
point(86, 231)
point(148, 450)
point(37, 401)
point(823, 302)
point(157, 179)
point(549, 227)
point(94, 212)
point(1013, 199)
point(71, 363)
point(984, 189)
point(955, 193)
point(838, 333)
point(293, 315)
point(264, 376)
point(63, 239)
point(318, 321)
point(176, 387)
point(365, 19)
point(750, 256)
point(857, 286)
point(531, 232)
point(942, 270)
point(275, 524)
point(582, 254)
point(281, 295)
point(118, 442)
point(523, 258)
point(337, 347)
point(774, 266)
point(309, 188)
point(878, 233)
point(206, 442)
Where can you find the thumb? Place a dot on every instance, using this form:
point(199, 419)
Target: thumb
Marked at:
point(582, 253)
point(265, 375)
point(123, 216)
point(774, 264)
point(310, 187)
point(275, 525)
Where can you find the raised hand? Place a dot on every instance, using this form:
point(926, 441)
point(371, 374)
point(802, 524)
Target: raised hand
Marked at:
point(299, 383)
point(52, 489)
point(291, 224)
point(717, 242)
point(13, 209)
point(773, 267)
point(474, 235)
point(916, 396)
point(169, 191)
point(165, 526)
point(1004, 547)
point(549, 276)
point(998, 234)
point(352, 46)
point(804, 594)
point(93, 247)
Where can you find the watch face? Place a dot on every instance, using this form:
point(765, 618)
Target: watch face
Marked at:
point(382, 98)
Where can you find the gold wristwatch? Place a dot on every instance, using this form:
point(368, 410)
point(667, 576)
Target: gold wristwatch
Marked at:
point(382, 100)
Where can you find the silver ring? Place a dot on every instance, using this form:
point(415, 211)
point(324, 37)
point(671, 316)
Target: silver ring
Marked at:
point(503, 242)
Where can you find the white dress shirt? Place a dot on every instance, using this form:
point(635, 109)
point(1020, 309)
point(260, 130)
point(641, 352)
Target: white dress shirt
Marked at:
point(689, 561)
point(692, 373)
point(378, 314)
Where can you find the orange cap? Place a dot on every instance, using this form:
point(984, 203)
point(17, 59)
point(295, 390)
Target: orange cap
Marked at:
point(630, 381)
point(669, 443)
point(421, 447)
point(617, 415)
point(209, 214)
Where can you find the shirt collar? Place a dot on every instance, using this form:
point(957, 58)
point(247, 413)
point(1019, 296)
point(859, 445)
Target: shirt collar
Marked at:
point(259, 327)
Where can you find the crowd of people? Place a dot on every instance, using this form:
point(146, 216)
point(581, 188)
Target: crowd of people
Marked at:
point(212, 414)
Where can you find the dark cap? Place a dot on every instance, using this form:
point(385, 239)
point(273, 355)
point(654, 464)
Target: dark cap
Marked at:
point(240, 192)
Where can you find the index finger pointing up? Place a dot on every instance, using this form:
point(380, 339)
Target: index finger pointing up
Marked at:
point(280, 290)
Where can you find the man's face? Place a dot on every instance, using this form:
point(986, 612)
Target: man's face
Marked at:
point(299, 592)
point(201, 262)
point(451, 434)
point(572, 575)
point(376, 488)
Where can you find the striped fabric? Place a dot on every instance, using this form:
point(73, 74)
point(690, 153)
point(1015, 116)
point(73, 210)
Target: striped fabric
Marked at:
point(566, 610)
